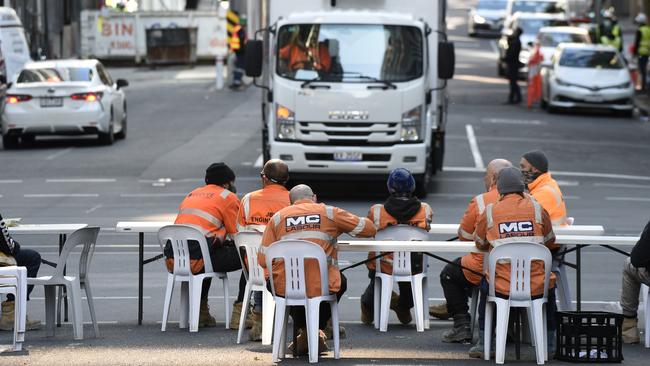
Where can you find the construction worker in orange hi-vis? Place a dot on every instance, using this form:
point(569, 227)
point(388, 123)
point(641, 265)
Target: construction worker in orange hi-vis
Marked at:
point(212, 210)
point(542, 186)
point(326, 224)
point(494, 228)
point(255, 211)
point(401, 207)
point(534, 75)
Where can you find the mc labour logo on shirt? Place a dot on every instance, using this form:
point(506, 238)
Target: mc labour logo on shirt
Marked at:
point(302, 222)
point(516, 228)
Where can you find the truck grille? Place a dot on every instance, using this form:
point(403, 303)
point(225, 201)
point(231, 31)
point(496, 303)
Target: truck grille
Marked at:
point(334, 133)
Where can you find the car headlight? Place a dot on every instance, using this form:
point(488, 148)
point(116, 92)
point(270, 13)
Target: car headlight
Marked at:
point(285, 123)
point(479, 19)
point(624, 85)
point(561, 82)
point(412, 124)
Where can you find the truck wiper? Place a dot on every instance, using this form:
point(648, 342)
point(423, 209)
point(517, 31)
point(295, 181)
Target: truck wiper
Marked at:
point(307, 83)
point(387, 84)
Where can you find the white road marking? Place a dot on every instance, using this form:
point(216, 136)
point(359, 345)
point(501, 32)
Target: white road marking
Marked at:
point(453, 195)
point(92, 209)
point(8, 181)
point(622, 185)
point(57, 154)
point(493, 46)
point(81, 180)
point(628, 199)
point(568, 183)
point(481, 79)
point(153, 194)
point(258, 162)
point(247, 163)
point(103, 298)
point(473, 145)
point(571, 197)
point(61, 195)
point(513, 121)
point(469, 169)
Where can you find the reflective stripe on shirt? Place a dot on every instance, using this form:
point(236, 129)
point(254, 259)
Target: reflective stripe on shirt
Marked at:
point(480, 203)
point(359, 228)
point(202, 214)
point(377, 215)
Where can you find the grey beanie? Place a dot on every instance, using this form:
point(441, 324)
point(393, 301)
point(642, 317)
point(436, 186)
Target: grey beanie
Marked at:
point(537, 159)
point(510, 180)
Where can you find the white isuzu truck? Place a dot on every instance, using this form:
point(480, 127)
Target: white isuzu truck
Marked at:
point(353, 88)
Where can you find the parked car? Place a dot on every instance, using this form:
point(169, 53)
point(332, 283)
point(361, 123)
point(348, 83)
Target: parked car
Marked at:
point(64, 97)
point(530, 24)
point(486, 17)
point(587, 76)
point(550, 37)
point(534, 7)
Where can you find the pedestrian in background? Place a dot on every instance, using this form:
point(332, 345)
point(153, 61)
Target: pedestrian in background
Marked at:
point(642, 46)
point(534, 93)
point(513, 65)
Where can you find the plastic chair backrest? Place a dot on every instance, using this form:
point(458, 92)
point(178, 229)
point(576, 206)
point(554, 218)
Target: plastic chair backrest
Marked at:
point(179, 237)
point(521, 256)
point(250, 242)
point(401, 260)
point(294, 253)
point(86, 237)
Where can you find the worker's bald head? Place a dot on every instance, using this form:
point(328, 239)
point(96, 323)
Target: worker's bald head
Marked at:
point(276, 171)
point(301, 192)
point(492, 172)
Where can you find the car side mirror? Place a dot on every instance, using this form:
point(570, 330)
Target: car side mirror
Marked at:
point(530, 44)
point(446, 60)
point(254, 56)
point(9, 84)
point(121, 83)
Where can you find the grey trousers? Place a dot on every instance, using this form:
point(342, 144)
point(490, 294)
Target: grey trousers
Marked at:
point(633, 278)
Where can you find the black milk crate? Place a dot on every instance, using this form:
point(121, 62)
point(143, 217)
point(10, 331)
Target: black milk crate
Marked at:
point(589, 336)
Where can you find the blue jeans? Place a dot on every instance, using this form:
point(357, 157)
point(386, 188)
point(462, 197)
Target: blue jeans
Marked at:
point(32, 260)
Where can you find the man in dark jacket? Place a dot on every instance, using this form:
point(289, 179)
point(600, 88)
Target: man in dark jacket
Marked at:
point(635, 273)
point(512, 66)
point(12, 254)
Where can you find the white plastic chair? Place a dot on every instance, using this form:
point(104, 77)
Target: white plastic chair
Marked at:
point(250, 242)
point(86, 237)
point(294, 253)
point(13, 280)
point(191, 284)
point(645, 290)
point(521, 256)
point(401, 273)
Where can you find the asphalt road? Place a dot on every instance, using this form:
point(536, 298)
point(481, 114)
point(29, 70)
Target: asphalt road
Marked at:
point(179, 124)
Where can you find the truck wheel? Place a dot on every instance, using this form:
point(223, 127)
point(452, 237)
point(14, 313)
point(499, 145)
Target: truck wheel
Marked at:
point(10, 142)
point(437, 152)
point(422, 184)
point(266, 153)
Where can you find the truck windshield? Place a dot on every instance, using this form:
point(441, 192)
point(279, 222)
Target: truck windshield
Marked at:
point(344, 52)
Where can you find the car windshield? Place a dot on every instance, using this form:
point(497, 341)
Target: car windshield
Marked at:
point(491, 5)
point(338, 52)
point(56, 75)
point(536, 7)
point(533, 25)
point(552, 39)
point(591, 59)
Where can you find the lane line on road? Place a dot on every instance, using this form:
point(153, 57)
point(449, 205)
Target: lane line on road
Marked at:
point(469, 169)
point(258, 162)
point(493, 46)
point(628, 199)
point(59, 153)
point(92, 209)
point(473, 145)
point(60, 195)
point(10, 181)
point(513, 121)
point(567, 183)
point(125, 195)
point(622, 185)
point(81, 180)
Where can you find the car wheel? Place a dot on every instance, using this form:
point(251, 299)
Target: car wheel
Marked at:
point(10, 142)
point(27, 139)
point(543, 103)
point(627, 113)
point(122, 134)
point(107, 138)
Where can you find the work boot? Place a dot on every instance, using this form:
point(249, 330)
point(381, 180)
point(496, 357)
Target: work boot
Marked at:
point(366, 315)
point(8, 317)
point(205, 319)
point(439, 311)
point(329, 333)
point(236, 313)
point(255, 334)
point(477, 349)
point(630, 330)
point(461, 332)
point(403, 315)
point(303, 345)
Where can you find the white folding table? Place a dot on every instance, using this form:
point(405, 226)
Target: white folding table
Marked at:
point(452, 229)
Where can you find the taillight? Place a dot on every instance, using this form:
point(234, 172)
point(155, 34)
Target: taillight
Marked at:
point(17, 98)
point(88, 97)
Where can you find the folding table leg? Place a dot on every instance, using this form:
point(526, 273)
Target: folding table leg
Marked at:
point(140, 274)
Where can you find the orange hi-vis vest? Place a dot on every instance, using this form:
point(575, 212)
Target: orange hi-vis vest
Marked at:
point(382, 219)
point(547, 192)
point(259, 206)
point(320, 224)
point(516, 218)
point(212, 210)
point(476, 207)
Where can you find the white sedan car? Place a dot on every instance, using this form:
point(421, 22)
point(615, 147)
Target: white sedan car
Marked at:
point(587, 76)
point(550, 37)
point(64, 97)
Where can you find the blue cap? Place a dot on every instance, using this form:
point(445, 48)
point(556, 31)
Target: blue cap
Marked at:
point(400, 180)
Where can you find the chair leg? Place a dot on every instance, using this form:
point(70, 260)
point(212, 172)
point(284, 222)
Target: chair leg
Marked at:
point(50, 308)
point(335, 326)
point(167, 302)
point(418, 301)
point(244, 310)
point(21, 309)
point(283, 336)
point(268, 311)
point(425, 298)
point(487, 335)
point(196, 284)
point(74, 291)
point(377, 302)
point(226, 299)
point(473, 310)
point(503, 313)
point(312, 312)
point(538, 325)
point(645, 290)
point(279, 331)
point(564, 289)
point(184, 319)
point(59, 305)
point(91, 307)
point(384, 308)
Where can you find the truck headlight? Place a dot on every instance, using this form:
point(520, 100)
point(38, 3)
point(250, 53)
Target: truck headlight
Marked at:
point(285, 123)
point(412, 124)
point(479, 19)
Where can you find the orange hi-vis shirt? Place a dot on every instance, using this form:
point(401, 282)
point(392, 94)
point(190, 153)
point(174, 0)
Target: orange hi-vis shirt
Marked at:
point(382, 219)
point(212, 210)
point(516, 218)
point(476, 207)
point(547, 192)
point(322, 225)
point(258, 207)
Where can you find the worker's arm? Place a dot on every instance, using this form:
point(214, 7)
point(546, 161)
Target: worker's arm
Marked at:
point(428, 216)
point(545, 197)
point(480, 235)
point(269, 237)
point(468, 222)
point(230, 213)
point(352, 224)
point(241, 213)
point(547, 231)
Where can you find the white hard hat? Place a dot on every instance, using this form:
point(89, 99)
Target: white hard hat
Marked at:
point(641, 18)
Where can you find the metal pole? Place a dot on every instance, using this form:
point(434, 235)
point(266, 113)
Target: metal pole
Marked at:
point(140, 275)
point(219, 71)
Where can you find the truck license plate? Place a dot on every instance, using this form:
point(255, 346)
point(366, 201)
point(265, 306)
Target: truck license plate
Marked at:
point(348, 156)
point(51, 102)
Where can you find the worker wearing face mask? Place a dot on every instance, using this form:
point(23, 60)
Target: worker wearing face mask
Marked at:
point(545, 190)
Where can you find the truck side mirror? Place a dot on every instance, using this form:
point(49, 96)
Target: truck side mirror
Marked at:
point(446, 60)
point(254, 56)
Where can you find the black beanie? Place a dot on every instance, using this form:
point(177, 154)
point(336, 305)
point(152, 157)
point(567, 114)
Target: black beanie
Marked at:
point(510, 180)
point(537, 159)
point(219, 173)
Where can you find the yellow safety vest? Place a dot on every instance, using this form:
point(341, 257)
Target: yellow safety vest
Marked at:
point(644, 42)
